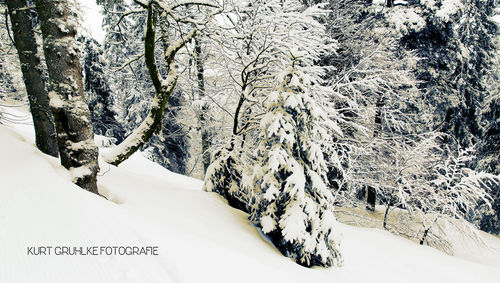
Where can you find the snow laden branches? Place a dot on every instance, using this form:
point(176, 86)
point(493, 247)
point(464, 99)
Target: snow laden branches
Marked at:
point(294, 205)
point(169, 16)
point(254, 45)
point(436, 187)
point(395, 151)
point(454, 192)
point(271, 164)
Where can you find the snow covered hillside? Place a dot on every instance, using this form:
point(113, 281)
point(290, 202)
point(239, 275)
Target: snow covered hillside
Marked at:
point(199, 237)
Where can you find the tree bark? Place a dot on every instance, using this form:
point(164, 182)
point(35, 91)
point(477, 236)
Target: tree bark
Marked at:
point(371, 192)
point(163, 89)
point(427, 230)
point(424, 237)
point(67, 101)
point(27, 50)
point(371, 197)
point(386, 215)
point(205, 142)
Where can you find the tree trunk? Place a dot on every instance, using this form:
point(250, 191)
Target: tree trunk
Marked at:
point(67, 101)
point(163, 89)
point(426, 231)
point(386, 215)
point(205, 137)
point(27, 49)
point(371, 197)
point(424, 237)
point(371, 193)
point(378, 117)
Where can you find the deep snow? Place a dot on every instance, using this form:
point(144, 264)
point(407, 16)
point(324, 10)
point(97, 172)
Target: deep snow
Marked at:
point(200, 238)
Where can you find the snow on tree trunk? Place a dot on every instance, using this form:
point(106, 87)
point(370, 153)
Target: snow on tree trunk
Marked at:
point(295, 205)
point(27, 49)
point(152, 124)
point(163, 89)
point(202, 117)
point(71, 114)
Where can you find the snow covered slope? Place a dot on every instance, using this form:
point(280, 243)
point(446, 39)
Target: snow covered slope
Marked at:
point(200, 238)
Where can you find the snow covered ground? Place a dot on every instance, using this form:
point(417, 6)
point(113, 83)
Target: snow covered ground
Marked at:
point(200, 238)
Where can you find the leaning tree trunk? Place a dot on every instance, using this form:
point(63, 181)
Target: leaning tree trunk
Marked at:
point(163, 89)
point(27, 49)
point(386, 214)
point(424, 237)
point(427, 230)
point(67, 101)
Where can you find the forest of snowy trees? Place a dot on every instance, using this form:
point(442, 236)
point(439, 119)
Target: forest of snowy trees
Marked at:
point(291, 110)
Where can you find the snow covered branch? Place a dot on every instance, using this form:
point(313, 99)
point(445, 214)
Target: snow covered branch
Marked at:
point(163, 87)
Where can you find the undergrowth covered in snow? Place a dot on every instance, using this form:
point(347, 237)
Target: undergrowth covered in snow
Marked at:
point(199, 237)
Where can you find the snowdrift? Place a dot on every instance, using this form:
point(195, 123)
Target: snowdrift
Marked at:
point(199, 238)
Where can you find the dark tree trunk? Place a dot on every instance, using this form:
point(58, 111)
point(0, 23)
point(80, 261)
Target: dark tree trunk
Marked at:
point(378, 117)
point(163, 89)
point(424, 237)
point(386, 215)
point(371, 197)
point(205, 137)
point(371, 193)
point(71, 114)
point(426, 231)
point(27, 49)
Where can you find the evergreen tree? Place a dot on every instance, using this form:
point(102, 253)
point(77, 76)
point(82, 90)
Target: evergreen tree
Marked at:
point(294, 205)
point(224, 175)
point(457, 42)
point(125, 69)
point(489, 161)
point(458, 38)
point(267, 33)
point(98, 93)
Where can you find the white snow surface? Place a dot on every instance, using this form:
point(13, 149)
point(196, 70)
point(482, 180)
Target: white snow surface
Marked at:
point(200, 238)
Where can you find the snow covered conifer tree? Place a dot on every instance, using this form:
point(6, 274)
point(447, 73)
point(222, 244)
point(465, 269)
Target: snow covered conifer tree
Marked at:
point(224, 176)
point(457, 38)
point(97, 90)
point(294, 207)
point(490, 159)
point(258, 40)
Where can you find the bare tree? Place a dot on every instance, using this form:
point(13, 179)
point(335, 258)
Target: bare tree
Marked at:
point(163, 86)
